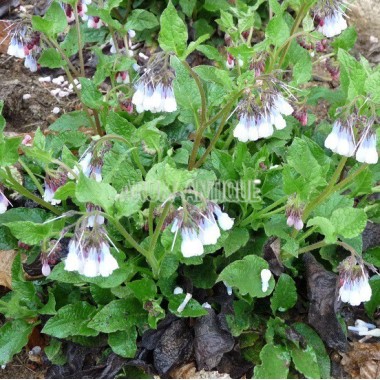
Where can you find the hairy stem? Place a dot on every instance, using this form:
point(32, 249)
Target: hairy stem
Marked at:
point(26, 193)
point(79, 34)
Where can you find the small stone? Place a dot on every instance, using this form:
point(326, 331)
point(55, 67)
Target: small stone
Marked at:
point(56, 110)
point(63, 94)
point(55, 92)
point(26, 96)
point(44, 79)
point(373, 39)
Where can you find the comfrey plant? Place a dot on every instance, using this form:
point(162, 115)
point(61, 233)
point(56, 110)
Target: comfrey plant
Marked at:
point(194, 173)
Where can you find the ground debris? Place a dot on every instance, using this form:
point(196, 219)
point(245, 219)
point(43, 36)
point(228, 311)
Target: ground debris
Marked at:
point(362, 361)
point(321, 286)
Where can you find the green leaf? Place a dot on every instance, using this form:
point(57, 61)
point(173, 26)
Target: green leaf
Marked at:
point(71, 320)
point(316, 343)
point(277, 30)
point(51, 58)
point(118, 315)
point(185, 89)
point(194, 44)
point(242, 319)
point(275, 362)
point(352, 75)
point(245, 275)
point(285, 294)
point(214, 75)
point(193, 309)
point(53, 23)
point(119, 125)
point(346, 40)
point(372, 86)
point(13, 337)
point(326, 228)
point(173, 34)
point(98, 193)
point(101, 296)
point(188, 6)
point(306, 362)
point(70, 43)
point(237, 238)
point(141, 20)
point(54, 352)
point(71, 121)
point(202, 276)
point(334, 202)
point(349, 222)
point(29, 232)
point(9, 151)
point(90, 95)
point(144, 289)
point(372, 305)
point(123, 343)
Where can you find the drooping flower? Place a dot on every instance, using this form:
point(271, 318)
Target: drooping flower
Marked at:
point(341, 139)
point(367, 152)
point(122, 77)
point(16, 45)
point(258, 122)
point(90, 166)
point(95, 218)
point(89, 254)
point(154, 90)
point(230, 62)
point(51, 186)
point(265, 275)
point(31, 62)
point(95, 22)
point(330, 17)
point(199, 227)
point(354, 286)
point(4, 203)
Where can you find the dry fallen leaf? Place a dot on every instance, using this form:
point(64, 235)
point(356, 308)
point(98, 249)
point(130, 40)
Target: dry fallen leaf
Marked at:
point(6, 261)
point(362, 361)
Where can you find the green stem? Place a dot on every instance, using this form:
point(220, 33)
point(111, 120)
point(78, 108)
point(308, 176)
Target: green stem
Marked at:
point(26, 193)
point(312, 247)
point(150, 218)
point(201, 91)
point(300, 16)
point(268, 214)
point(307, 233)
point(256, 215)
point(348, 179)
point(99, 129)
point(327, 191)
point(32, 176)
point(126, 235)
point(79, 34)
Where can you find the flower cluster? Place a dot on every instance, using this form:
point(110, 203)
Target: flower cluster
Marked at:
point(25, 46)
point(90, 166)
point(329, 16)
point(341, 140)
point(199, 227)
point(81, 9)
point(354, 286)
point(51, 186)
point(154, 90)
point(255, 123)
point(89, 254)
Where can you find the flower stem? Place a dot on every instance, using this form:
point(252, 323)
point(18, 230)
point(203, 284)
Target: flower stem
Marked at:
point(79, 35)
point(265, 211)
point(32, 176)
point(327, 191)
point(312, 247)
point(26, 193)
